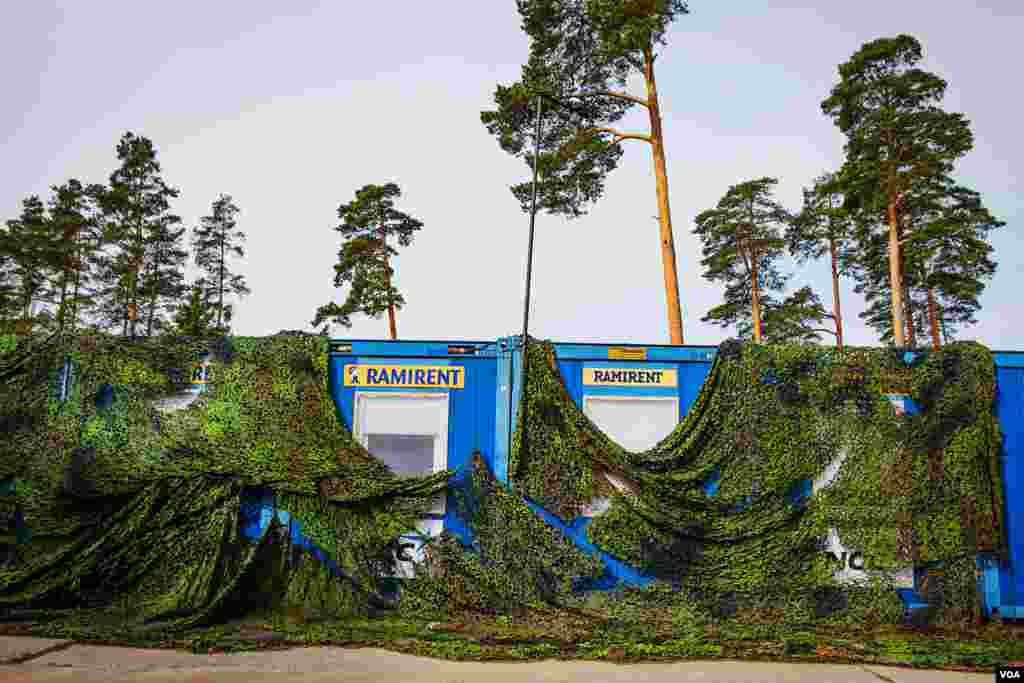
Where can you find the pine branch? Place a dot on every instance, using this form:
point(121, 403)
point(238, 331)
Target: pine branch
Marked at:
point(610, 93)
point(620, 136)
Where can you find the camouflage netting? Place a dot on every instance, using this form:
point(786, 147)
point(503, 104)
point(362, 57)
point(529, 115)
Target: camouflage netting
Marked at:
point(135, 516)
point(912, 488)
point(515, 559)
point(124, 510)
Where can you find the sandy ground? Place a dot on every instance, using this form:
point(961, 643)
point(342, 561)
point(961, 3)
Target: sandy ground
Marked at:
point(52, 661)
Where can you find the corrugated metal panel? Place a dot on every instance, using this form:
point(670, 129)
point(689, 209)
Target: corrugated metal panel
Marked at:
point(412, 348)
point(1010, 411)
point(691, 379)
point(503, 411)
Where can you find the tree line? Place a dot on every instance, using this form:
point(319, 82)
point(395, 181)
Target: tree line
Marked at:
point(111, 257)
point(891, 217)
point(914, 241)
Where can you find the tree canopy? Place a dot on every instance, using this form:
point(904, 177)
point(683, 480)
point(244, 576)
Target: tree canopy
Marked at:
point(742, 239)
point(896, 137)
point(364, 261)
point(214, 241)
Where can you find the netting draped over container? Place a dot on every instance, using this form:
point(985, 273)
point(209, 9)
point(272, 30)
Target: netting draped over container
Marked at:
point(135, 512)
point(768, 420)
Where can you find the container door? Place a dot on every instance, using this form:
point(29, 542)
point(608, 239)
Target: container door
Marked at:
point(409, 432)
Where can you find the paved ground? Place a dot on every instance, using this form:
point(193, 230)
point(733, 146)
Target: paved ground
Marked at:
point(53, 661)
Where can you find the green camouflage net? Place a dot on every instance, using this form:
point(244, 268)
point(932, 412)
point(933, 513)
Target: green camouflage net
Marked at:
point(515, 560)
point(134, 515)
point(912, 488)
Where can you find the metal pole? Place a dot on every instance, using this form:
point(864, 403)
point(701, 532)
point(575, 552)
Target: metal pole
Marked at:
point(533, 220)
point(529, 272)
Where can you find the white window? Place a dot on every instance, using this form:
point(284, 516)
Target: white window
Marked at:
point(409, 432)
point(636, 423)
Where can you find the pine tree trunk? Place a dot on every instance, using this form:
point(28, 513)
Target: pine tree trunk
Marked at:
point(836, 313)
point(135, 299)
point(392, 327)
point(62, 308)
point(942, 326)
point(28, 295)
point(220, 304)
point(895, 277)
point(908, 308)
point(78, 279)
point(933, 319)
point(391, 322)
point(152, 299)
point(755, 298)
point(908, 302)
point(668, 248)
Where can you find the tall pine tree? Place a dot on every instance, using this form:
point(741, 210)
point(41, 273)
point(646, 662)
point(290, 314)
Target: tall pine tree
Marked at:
point(945, 259)
point(138, 205)
point(582, 54)
point(364, 261)
point(31, 252)
point(896, 137)
point(213, 242)
point(164, 283)
point(89, 245)
point(823, 227)
point(70, 216)
point(742, 239)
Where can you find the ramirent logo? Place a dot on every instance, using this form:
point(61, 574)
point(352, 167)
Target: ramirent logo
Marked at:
point(408, 376)
point(658, 377)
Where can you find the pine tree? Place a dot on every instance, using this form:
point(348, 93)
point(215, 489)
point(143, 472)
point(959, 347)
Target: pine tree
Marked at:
point(137, 204)
point(364, 260)
point(582, 53)
point(213, 241)
point(164, 283)
point(798, 318)
point(30, 249)
point(824, 227)
point(946, 259)
point(70, 215)
point(89, 244)
point(896, 137)
point(8, 279)
point(742, 242)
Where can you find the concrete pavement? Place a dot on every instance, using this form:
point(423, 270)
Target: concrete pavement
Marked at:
point(66, 662)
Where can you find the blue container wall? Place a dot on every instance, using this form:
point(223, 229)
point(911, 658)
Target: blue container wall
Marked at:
point(1010, 411)
point(471, 409)
point(692, 363)
point(691, 376)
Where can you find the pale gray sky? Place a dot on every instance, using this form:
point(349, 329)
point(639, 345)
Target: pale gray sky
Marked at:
point(292, 106)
